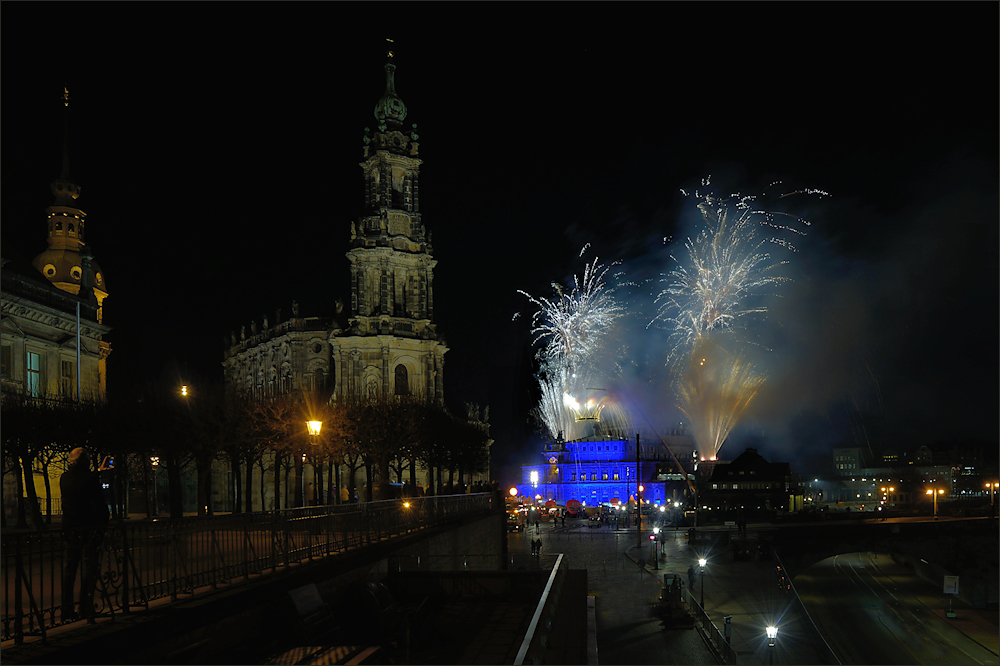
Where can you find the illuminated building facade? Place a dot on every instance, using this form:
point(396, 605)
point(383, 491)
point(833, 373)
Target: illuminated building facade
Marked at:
point(386, 343)
point(52, 345)
point(602, 471)
point(39, 325)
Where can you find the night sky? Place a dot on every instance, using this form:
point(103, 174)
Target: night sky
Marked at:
point(217, 146)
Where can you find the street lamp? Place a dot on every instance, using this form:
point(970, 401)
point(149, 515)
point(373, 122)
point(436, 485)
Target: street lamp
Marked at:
point(932, 493)
point(701, 563)
point(656, 559)
point(992, 488)
point(154, 461)
point(772, 635)
point(314, 428)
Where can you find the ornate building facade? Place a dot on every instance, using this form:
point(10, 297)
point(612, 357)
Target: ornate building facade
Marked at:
point(51, 331)
point(386, 343)
point(52, 345)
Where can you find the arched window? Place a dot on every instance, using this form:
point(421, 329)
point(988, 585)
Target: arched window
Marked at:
point(402, 381)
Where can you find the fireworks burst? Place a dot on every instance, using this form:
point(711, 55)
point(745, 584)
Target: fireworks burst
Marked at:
point(716, 391)
point(571, 328)
point(727, 269)
point(727, 272)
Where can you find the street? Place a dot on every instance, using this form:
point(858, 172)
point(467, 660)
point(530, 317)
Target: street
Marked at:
point(872, 610)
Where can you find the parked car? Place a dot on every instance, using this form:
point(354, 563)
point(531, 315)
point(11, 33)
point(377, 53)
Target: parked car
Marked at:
point(594, 521)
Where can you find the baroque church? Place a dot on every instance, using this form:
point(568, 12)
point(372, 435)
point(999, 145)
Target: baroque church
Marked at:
point(386, 343)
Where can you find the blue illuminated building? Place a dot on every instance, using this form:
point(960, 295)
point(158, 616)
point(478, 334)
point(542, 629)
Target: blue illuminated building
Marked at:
point(598, 471)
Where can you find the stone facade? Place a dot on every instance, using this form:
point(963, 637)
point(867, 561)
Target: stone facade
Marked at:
point(387, 343)
point(38, 336)
point(39, 307)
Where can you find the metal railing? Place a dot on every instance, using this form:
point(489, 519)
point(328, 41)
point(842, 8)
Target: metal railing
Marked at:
point(823, 649)
point(723, 648)
point(144, 560)
point(536, 638)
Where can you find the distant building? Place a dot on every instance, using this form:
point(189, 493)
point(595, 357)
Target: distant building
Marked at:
point(386, 343)
point(752, 484)
point(52, 345)
point(39, 304)
point(601, 471)
point(849, 461)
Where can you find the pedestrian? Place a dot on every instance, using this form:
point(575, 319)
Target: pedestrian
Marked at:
point(85, 518)
point(564, 520)
point(538, 548)
point(691, 577)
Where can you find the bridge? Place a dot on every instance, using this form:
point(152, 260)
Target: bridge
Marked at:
point(966, 547)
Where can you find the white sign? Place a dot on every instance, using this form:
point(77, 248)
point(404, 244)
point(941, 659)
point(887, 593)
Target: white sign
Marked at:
point(951, 584)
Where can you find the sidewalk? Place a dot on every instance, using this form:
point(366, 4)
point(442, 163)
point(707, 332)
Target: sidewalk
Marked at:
point(745, 591)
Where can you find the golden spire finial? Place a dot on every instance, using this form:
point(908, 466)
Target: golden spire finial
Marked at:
point(65, 96)
point(391, 42)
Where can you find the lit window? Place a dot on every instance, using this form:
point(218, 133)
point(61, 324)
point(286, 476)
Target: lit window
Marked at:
point(33, 366)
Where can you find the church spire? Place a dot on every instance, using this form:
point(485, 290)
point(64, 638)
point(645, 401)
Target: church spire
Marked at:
point(390, 112)
point(68, 262)
point(65, 190)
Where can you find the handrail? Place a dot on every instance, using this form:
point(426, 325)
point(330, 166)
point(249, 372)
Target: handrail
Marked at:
point(154, 559)
point(533, 625)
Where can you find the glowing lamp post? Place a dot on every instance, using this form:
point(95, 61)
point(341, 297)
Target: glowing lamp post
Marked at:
point(702, 563)
point(313, 427)
point(992, 489)
point(934, 492)
point(184, 390)
point(656, 545)
point(772, 636)
point(513, 491)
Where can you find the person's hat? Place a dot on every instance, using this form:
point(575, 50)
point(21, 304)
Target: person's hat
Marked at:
point(77, 455)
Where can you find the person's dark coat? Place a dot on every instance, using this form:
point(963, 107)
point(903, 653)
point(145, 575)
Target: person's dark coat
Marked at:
point(83, 502)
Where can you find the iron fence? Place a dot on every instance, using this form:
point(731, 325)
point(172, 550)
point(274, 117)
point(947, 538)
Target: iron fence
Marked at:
point(723, 647)
point(141, 561)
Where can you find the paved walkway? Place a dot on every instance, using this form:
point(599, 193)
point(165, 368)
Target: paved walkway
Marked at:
point(625, 595)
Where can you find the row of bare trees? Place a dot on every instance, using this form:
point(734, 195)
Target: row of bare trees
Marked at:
point(386, 439)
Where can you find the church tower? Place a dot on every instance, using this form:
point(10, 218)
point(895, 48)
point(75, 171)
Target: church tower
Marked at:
point(393, 347)
point(67, 262)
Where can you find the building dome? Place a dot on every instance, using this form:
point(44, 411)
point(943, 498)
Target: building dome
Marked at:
point(64, 268)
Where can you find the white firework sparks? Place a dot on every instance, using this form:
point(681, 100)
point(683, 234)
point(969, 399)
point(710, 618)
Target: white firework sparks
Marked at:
point(571, 328)
point(728, 268)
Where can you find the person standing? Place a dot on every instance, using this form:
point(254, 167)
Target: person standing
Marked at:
point(85, 518)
